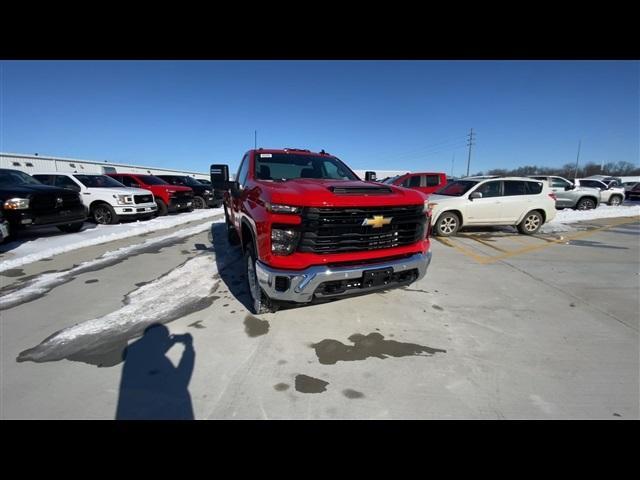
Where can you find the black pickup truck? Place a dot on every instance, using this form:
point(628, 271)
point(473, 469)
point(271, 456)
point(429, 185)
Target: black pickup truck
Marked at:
point(27, 203)
point(203, 195)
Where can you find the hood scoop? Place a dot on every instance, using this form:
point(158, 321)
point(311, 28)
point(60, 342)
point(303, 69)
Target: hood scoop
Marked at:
point(363, 190)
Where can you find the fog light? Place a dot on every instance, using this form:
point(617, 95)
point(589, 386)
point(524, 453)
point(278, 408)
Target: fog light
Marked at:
point(282, 284)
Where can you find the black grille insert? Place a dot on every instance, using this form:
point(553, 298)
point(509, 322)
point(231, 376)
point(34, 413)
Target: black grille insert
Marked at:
point(142, 198)
point(340, 230)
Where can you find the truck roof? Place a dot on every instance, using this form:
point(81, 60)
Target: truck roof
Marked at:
point(285, 151)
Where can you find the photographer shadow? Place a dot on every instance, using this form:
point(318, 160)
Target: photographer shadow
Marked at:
point(151, 387)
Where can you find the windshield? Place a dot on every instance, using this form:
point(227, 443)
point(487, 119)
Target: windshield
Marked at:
point(98, 181)
point(151, 180)
point(192, 182)
point(457, 188)
point(390, 180)
point(287, 166)
point(14, 177)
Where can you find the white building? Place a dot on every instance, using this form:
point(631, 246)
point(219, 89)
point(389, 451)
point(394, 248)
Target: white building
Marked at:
point(36, 163)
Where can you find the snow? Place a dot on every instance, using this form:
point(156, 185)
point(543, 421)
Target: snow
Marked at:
point(22, 252)
point(188, 287)
point(565, 218)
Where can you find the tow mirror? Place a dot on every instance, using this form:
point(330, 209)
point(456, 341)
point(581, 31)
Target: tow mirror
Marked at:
point(475, 195)
point(370, 176)
point(219, 177)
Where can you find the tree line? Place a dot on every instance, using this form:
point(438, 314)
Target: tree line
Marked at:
point(568, 170)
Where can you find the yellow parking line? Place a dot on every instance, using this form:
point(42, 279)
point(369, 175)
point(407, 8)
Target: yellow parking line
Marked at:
point(464, 251)
point(484, 242)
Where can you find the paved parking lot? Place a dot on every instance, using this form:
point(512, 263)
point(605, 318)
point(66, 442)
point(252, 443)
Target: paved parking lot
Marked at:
point(502, 326)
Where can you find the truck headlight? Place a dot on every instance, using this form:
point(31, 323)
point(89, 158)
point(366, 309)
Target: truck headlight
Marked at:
point(124, 199)
point(284, 241)
point(276, 208)
point(16, 204)
point(207, 192)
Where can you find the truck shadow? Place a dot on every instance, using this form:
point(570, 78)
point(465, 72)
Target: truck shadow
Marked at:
point(230, 264)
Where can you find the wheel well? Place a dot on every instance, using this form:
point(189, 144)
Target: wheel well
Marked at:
point(457, 212)
point(246, 235)
point(595, 200)
point(98, 202)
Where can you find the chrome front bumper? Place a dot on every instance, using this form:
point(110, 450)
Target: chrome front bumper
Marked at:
point(303, 283)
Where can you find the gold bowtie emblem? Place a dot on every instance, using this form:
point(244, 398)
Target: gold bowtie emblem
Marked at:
point(377, 221)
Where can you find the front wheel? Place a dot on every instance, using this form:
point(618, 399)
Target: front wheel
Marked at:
point(162, 208)
point(104, 214)
point(260, 303)
point(531, 223)
point(199, 203)
point(615, 200)
point(448, 224)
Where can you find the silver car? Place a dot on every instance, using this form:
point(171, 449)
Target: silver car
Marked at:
point(569, 195)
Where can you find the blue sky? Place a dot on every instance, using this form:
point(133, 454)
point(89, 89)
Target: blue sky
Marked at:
point(412, 115)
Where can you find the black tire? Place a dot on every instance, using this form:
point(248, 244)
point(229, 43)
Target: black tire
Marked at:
point(531, 223)
point(585, 204)
point(104, 214)
point(447, 224)
point(199, 203)
point(71, 227)
point(260, 303)
point(232, 235)
point(162, 207)
point(615, 200)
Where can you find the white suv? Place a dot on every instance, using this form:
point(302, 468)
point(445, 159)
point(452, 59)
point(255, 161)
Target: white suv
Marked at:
point(609, 194)
point(107, 199)
point(472, 201)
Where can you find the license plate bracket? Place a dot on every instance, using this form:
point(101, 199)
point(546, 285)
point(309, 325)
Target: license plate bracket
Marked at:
point(376, 277)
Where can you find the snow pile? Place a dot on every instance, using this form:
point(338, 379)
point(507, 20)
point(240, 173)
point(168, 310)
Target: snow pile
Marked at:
point(184, 290)
point(564, 218)
point(48, 246)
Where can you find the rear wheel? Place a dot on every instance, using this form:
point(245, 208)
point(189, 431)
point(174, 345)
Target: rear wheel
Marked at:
point(71, 227)
point(448, 224)
point(585, 204)
point(531, 223)
point(260, 303)
point(198, 202)
point(615, 200)
point(162, 207)
point(104, 214)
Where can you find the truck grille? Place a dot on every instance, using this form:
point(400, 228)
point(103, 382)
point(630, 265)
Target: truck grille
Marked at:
point(182, 195)
point(340, 230)
point(143, 198)
point(47, 202)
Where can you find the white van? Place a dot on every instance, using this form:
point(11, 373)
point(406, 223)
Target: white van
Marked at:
point(107, 199)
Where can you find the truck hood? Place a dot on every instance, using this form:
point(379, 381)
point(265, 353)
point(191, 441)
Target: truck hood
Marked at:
point(25, 190)
point(305, 192)
point(120, 191)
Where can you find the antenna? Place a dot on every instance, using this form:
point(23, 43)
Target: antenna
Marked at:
point(255, 139)
point(575, 174)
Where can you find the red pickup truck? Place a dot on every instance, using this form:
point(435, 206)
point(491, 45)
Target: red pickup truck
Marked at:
point(310, 229)
point(425, 182)
point(169, 198)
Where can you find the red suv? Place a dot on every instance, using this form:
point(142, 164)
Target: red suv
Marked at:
point(169, 198)
point(310, 229)
point(424, 182)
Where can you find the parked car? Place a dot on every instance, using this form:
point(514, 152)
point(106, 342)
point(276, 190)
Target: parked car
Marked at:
point(28, 204)
point(521, 202)
point(4, 227)
point(108, 201)
point(609, 194)
point(168, 198)
point(310, 229)
point(203, 196)
point(422, 181)
point(634, 193)
point(569, 195)
point(628, 186)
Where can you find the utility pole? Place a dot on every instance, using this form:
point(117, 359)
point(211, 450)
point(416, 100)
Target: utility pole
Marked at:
point(469, 145)
point(255, 139)
point(575, 174)
point(453, 161)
